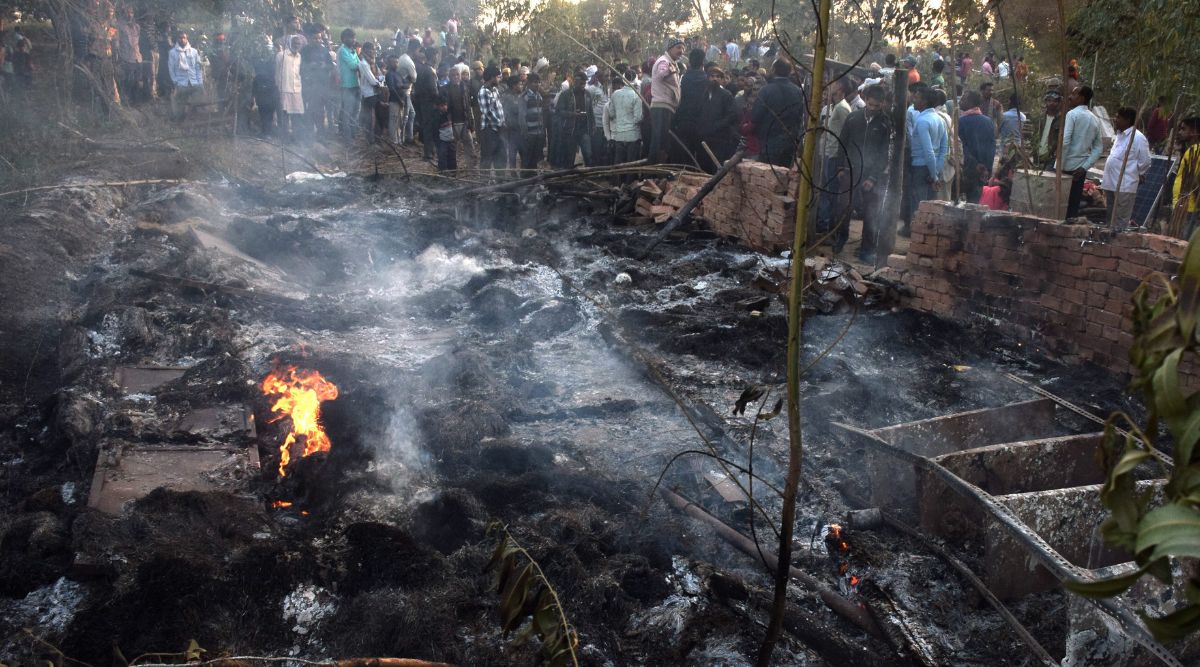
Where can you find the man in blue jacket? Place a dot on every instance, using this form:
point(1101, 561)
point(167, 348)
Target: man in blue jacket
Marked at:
point(930, 145)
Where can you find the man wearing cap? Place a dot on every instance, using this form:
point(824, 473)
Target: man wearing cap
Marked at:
point(1047, 133)
point(664, 98)
point(491, 121)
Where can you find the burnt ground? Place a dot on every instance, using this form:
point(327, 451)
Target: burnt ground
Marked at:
point(503, 360)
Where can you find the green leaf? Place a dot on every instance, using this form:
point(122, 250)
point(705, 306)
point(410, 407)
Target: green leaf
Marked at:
point(1129, 461)
point(1104, 588)
point(1176, 625)
point(1167, 396)
point(1187, 434)
point(1170, 530)
point(514, 599)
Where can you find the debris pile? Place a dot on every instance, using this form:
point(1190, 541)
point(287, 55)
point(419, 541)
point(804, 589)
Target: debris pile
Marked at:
point(662, 198)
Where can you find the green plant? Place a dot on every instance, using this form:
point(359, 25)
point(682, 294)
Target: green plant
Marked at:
point(528, 602)
point(1166, 327)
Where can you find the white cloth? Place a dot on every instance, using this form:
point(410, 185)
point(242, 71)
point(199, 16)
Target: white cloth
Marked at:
point(1002, 70)
point(733, 52)
point(1138, 164)
point(366, 79)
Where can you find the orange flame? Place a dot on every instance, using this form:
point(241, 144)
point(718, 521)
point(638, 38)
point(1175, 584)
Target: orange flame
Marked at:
point(835, 531)
point(281, 503)
point(854, 580)
point(300, 393)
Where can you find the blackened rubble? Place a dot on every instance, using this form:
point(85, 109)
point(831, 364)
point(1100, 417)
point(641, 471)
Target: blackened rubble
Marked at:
point(486, 372)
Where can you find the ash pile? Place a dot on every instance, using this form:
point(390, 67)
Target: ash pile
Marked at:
point(447, 371)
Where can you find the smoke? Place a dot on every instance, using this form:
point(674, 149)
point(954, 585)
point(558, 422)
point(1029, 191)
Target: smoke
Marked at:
point(436, 267)
point(398, 460)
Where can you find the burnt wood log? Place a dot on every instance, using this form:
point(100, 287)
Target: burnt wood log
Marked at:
point(840, 605)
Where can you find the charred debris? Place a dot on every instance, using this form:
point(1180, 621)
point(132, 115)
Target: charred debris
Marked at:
point(431, 365)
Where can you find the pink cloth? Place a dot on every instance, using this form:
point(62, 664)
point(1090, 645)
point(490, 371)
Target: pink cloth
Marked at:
point(991, 198)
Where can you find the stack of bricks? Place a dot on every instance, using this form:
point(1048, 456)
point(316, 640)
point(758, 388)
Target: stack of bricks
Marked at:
point(754, 206)
point(1065, 288)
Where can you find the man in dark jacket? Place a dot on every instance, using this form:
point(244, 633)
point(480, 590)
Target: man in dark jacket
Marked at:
point(867, 136)
point(778, 116)
point(716, 124)
point(573, 119)
point(978, 134)
point(693, 88)
point(424, 99)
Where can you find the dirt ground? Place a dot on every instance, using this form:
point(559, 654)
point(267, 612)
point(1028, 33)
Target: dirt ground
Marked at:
point(498, 360)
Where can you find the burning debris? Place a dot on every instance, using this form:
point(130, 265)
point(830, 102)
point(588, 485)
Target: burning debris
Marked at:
point(299, 393)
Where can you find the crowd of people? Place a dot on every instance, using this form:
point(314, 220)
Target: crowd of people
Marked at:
point(695, 103)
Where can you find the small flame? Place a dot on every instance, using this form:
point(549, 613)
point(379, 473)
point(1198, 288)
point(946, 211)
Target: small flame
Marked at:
point(300, 393)
point(854, 580)
point(835, 531)
point(281, 503)
point(843, 545)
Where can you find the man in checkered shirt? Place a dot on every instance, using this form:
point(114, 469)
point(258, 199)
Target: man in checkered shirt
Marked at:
point(491, 147)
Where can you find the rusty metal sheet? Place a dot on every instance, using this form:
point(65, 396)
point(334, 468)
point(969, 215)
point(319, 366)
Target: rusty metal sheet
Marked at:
point(126, 472)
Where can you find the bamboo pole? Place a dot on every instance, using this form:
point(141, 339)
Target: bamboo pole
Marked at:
point(1062, 111)
point(799, 242)
point(955, 144)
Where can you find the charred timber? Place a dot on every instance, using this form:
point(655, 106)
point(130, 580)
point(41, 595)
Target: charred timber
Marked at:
point(840, 605)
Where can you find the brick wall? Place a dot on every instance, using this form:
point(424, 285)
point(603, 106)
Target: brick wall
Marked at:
point(1066, 288)
point(754, 205)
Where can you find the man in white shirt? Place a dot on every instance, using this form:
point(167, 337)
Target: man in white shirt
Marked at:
point(733, 53)
point(1081, 146)
point(183, 62)
point(1127, 163)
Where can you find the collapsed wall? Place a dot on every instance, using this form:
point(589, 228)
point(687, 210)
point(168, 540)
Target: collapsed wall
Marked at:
point(1065, 288)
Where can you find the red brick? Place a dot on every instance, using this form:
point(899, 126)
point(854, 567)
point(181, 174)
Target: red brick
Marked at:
point(1104, 263)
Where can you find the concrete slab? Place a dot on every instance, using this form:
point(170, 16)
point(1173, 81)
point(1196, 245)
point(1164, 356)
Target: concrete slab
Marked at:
point(141, 379)
point(126, 472)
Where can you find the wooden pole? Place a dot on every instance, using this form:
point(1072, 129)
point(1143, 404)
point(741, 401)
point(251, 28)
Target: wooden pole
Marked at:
point(1062, 111)
point(886, 240)
point(799, 246)
point(692, 203)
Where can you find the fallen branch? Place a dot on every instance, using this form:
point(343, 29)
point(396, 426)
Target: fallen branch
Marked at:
point(509, 186)
point(843, 607)
point(104, 184)
point(692, 203)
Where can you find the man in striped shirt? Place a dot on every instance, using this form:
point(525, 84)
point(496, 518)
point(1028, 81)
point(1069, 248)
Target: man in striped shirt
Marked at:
point(491, 120)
